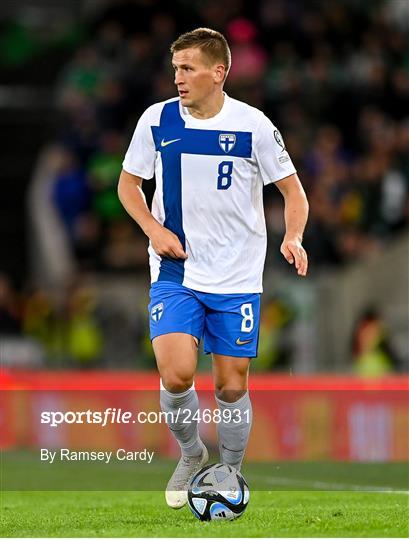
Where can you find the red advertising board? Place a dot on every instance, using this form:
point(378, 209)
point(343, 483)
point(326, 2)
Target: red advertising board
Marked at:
point(294, 417)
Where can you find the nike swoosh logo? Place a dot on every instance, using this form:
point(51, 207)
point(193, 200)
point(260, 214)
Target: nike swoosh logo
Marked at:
point(165, 143)
point(240, 342)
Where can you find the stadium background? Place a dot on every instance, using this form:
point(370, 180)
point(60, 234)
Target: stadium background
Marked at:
point(334, 77)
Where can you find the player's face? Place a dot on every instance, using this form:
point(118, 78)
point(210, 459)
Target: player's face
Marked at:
point(195, 77)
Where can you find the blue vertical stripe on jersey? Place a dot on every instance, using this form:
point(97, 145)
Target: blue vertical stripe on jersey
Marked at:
point(172, 140)
point(171, 122)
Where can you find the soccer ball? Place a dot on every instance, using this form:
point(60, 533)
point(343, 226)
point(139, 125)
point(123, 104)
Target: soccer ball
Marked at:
point(218, 492)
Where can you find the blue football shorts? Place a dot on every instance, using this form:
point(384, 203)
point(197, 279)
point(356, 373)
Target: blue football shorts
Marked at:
point(228, 323)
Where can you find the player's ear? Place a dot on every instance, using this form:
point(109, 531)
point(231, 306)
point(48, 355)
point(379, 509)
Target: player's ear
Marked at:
point(219, 73)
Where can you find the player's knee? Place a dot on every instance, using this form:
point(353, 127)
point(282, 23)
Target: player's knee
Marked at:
point(176, 383)
point(229, 394)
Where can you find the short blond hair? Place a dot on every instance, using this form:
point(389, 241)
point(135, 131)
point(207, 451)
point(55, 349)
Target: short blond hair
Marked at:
point(212, 43)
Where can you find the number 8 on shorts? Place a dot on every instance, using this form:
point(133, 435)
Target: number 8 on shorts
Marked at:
point(247, 323)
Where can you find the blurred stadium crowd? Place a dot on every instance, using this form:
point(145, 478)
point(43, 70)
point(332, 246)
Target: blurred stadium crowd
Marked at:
point(333, 76)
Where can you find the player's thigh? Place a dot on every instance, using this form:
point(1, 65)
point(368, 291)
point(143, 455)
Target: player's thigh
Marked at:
point(230, 375)
point(176, 325)
point(176, 358)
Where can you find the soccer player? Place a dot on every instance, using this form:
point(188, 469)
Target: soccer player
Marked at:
point(211, 156)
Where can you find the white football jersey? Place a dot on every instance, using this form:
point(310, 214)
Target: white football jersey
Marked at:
point(209, 190)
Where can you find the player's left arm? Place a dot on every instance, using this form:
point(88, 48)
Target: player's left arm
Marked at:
point(296, 215)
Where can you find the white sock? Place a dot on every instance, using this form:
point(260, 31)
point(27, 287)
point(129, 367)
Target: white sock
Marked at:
point(234, 435)
point(181, 406)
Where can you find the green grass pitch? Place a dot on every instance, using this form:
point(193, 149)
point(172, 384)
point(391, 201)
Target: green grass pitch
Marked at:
point(287, 500)
point(144, 514)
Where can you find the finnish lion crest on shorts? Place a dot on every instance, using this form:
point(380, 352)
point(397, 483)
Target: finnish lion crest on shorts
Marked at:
point(157, 312)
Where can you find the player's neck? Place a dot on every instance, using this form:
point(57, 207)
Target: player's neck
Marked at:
point(210, 108)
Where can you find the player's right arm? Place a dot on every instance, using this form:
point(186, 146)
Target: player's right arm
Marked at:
point(164, 242)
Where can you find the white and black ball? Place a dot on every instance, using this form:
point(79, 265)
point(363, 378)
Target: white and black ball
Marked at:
point(218, 492)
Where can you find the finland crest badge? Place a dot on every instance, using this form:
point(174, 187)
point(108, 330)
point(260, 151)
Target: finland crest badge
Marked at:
point(157, 312)
point(227, 141)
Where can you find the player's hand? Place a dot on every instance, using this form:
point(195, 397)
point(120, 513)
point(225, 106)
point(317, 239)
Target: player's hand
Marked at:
point(294, 253)
point(166, 243)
